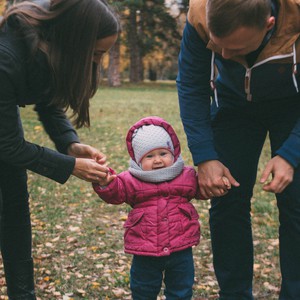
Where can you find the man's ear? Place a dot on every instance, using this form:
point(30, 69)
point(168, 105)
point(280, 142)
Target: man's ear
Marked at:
point(270, 23)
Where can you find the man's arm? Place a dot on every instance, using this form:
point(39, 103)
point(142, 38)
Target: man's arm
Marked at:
point(194, 95)
point(194, 100)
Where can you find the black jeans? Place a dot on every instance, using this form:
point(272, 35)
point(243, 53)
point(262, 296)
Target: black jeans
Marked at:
point(15, 234)
point(239, 135)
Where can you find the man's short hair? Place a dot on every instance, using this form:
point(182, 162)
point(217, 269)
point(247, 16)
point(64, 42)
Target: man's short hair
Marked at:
point(225, 16)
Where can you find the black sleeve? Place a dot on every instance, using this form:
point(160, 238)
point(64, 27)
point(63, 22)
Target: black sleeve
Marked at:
point(57, 126)
point(14, 149)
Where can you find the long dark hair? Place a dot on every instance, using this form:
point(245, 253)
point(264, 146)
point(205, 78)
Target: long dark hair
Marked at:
point(67, 31)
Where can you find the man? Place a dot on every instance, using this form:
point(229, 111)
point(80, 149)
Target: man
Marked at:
point(238, 84)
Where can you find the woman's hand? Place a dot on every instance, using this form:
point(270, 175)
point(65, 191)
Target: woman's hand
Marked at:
point(90, 163)
point(85, 151)
point(90, 170)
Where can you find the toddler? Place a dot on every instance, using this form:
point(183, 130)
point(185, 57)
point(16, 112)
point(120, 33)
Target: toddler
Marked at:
point(163, 225)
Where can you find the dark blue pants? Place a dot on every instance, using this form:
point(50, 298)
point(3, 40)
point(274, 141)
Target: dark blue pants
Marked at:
point(176, 270)
point(239, 135)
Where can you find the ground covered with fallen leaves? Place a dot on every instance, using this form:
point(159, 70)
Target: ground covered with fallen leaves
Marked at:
point(78, 239)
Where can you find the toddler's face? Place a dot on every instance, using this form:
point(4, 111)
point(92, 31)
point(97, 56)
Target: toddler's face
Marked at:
point(157, 159)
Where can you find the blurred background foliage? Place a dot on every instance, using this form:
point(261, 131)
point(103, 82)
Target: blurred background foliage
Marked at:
point(148, 46)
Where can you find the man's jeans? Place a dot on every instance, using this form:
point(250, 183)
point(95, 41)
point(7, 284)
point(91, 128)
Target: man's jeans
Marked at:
point(239, 135)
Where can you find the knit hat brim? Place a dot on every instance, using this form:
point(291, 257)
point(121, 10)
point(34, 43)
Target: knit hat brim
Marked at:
point(148, 138)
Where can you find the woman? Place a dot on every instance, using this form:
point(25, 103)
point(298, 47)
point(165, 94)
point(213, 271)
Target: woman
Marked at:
point(49, 56)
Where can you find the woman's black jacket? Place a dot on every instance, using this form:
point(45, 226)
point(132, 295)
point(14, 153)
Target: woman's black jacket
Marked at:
point(24, 81)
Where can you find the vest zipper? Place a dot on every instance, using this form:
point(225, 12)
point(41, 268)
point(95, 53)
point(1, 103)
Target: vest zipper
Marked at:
point(247, 82)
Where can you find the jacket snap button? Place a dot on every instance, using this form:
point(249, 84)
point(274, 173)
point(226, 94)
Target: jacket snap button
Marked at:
point(166, 249)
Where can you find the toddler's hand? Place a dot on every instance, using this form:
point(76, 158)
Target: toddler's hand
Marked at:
point(106, 180)
point(226, 182)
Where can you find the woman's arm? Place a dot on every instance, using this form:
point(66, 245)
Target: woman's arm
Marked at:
point(14, 149)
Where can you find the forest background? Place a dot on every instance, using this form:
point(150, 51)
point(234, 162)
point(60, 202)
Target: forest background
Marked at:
point(149, 43)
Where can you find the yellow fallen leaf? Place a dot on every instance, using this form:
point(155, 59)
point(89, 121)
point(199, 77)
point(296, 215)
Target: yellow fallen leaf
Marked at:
point(95, 283)
point(38, 128)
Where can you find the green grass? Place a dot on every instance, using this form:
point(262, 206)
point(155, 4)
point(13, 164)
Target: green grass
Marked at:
point(78, 239)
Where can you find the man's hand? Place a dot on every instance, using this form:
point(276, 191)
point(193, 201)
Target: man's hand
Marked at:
point(282, 175)
point(214, 179)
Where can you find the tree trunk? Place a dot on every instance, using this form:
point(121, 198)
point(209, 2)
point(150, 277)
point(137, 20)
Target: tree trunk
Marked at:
point(114, 65)
point(134, 69)
point(141, 68)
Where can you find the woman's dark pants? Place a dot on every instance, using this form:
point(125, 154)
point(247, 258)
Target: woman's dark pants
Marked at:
point(15, 233)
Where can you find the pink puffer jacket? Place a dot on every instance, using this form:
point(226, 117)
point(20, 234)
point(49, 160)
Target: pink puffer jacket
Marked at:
point(162, 220)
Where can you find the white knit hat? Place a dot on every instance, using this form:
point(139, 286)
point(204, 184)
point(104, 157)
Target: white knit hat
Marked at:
point(148, 138)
